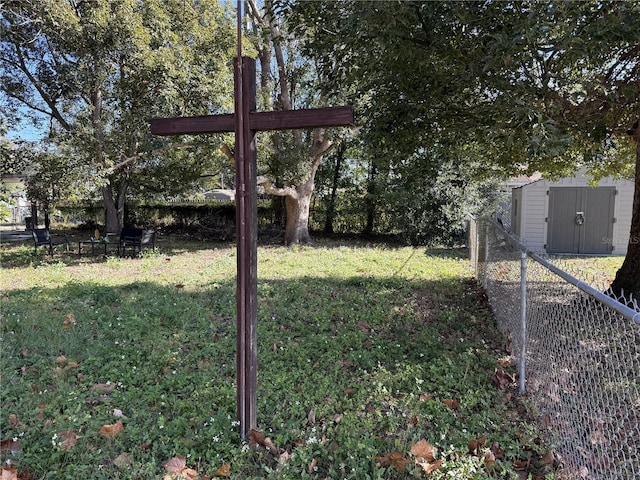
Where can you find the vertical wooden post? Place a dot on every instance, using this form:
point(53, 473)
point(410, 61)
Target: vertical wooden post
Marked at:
point(246, 204)
point(246, 235)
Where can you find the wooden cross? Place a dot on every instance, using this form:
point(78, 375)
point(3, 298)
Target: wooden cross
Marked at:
point(245, 122)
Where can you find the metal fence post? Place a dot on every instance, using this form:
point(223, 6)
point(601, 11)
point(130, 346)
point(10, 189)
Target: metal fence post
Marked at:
point(485, 266)
point(523, 318)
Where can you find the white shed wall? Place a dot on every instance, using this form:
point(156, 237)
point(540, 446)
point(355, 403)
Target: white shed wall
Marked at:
point(529, 222)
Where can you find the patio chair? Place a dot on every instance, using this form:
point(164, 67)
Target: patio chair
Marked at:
point(42, 238)
point(136, 239)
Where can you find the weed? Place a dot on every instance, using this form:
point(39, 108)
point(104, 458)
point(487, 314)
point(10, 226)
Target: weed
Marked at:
point(363, 351)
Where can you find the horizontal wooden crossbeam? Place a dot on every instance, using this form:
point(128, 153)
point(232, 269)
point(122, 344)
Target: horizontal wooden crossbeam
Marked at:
point(259, 121)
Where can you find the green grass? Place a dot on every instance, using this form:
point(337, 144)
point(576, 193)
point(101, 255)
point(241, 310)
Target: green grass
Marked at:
point(358, 346)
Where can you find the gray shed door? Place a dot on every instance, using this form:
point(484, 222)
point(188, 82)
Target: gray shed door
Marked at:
point(580, 219)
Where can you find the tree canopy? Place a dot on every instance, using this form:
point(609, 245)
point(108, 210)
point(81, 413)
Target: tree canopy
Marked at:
point(98, 71)
point(535, 86)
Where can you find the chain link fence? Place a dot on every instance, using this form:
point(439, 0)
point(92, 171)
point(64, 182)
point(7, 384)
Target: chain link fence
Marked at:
point(577, 351)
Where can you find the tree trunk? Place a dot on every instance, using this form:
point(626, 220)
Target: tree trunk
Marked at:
point(627, 281)
point(371, 199)
point(114, 207)
point(34, 215)
point(331, 208)
point(297, 207)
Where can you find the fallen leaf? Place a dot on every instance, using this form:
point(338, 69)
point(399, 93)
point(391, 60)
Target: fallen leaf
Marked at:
point(549, 458)
point(311, 417)
point(520, 465)
point(506, 361)
point(429, 467)
point(312, 466)
point(61, 359)
point(176, 464)
point(257, 439)
point(451, 403)
point(497, 452)
point(113, 430)
point(9, 473)
point(69, 321)
point(185, 474)
point(122, 461)
point(396, 459)
point(425, 396)
point(223, 471)
point(284, 458)
point(489, 459)
point(502, 379)
point(179, 286)
point(476, 444)
point(10, 446)
point(68, 439)
point(424, 449)
point(364, 327)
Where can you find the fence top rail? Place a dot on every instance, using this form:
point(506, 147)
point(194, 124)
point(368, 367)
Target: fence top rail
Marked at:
point(622, 309)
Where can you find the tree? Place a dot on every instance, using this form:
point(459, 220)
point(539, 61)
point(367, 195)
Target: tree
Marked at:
point(97, 71)
point(547, 86)
point(51, 180)
point(294, 156)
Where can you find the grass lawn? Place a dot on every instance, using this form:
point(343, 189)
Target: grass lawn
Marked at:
point(369, 356)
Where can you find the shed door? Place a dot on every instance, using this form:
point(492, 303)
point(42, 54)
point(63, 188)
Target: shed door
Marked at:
point(580, 220)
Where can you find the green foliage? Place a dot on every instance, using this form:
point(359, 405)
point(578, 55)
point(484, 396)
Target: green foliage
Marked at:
point(358, 345)
point(433, 209)
point(98, 71)
point(548, 85)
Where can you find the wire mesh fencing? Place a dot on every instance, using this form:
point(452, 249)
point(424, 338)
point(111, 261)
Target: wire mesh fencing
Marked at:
point(577, 350)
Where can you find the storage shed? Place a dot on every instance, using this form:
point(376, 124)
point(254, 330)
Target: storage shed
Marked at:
point(570, 216)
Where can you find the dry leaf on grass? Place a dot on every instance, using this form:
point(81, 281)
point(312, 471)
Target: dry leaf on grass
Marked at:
point(451, 403)
point(69, 321)
point(476, 445)
point(10, 446)
point(68, 439)
point(223, 471)
point(424, 449)
point(502, 379)
point(113, 430)
point(9, 473)
point(489, 459)
point(312, 466)
point(257, 439)
point(396, 459)
point(425, 456)
point(429, 467)
point(122, 461)
point(177, 469)
point(549, 458)
point(364, 327)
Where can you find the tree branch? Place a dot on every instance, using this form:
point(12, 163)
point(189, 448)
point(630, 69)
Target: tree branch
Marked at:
point(280, 192)
point(133, 158)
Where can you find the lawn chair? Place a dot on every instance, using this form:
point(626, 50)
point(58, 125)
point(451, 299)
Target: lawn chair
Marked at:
point(136, 239)
point(42, 238)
